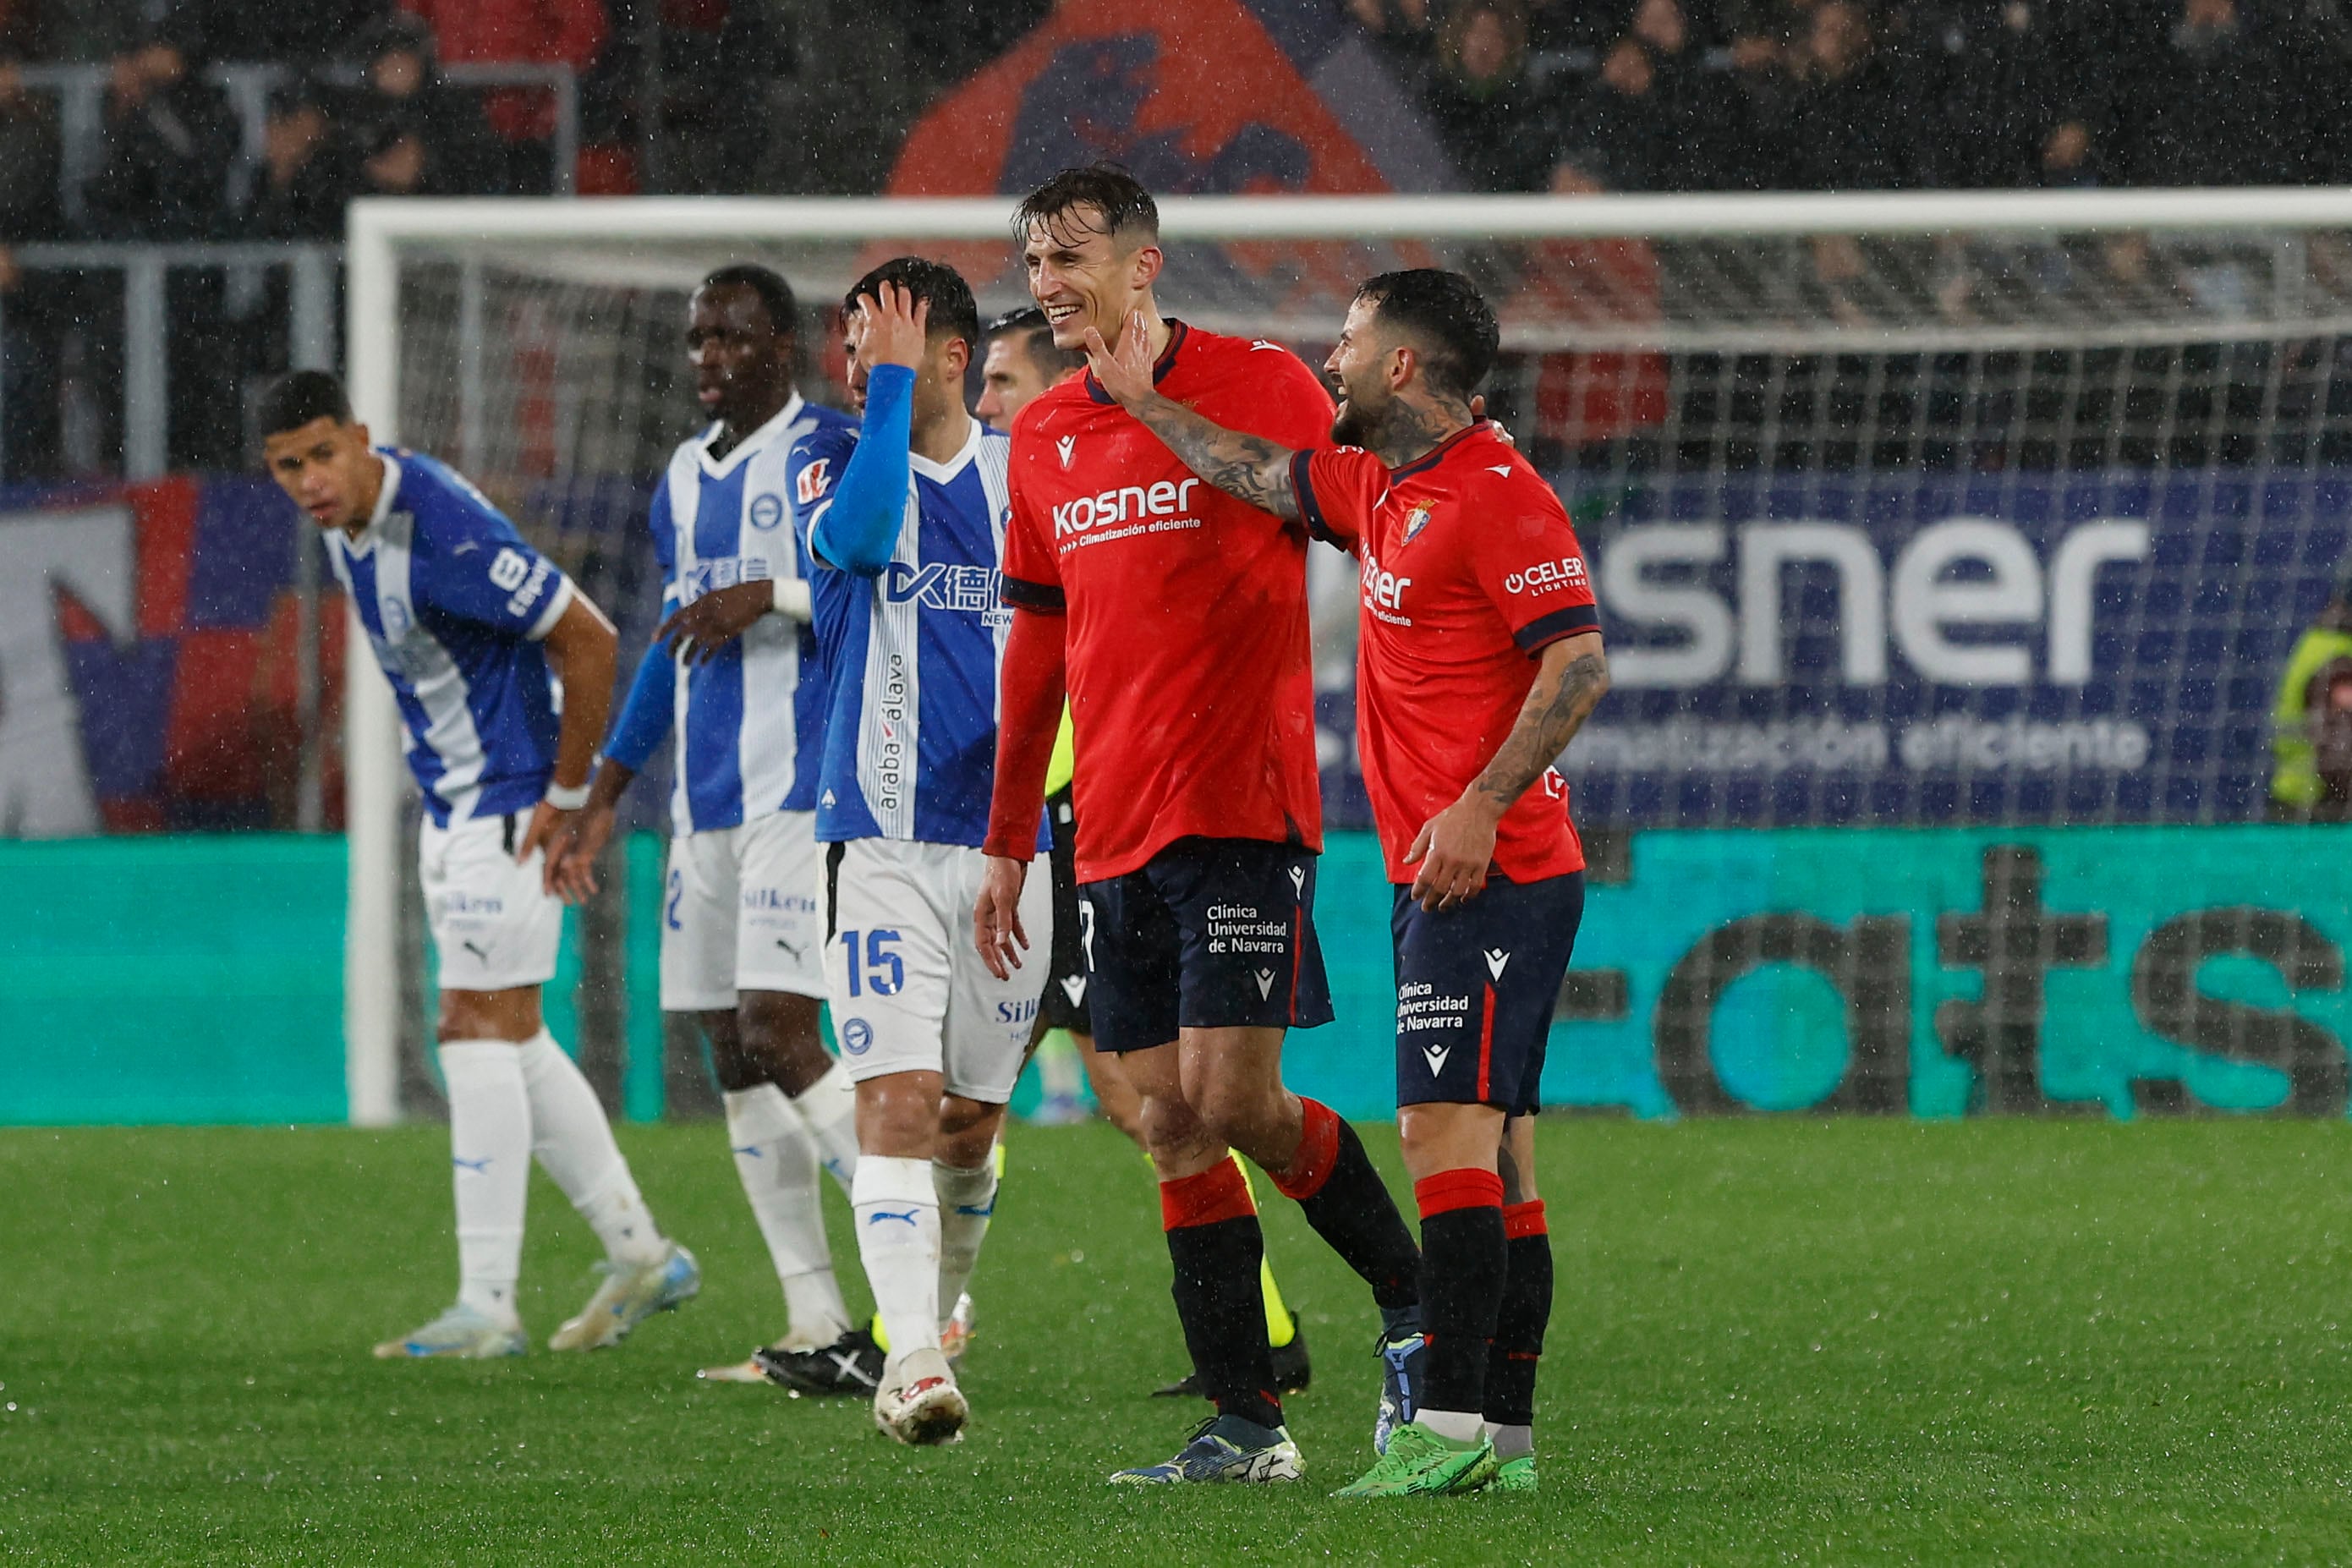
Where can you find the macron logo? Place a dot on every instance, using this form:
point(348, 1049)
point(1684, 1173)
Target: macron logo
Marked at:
point(1068, 446)
point(1298, 880)
point(1496, 959)
point(1075, 988)
point(1435, 1058)
point(1264, 984)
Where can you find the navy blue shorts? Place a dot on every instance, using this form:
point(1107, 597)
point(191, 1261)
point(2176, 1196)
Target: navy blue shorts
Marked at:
point(1477, 988)
point(1210, 933)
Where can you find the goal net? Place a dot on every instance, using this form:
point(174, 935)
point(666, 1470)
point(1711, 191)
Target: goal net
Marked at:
point(1901, 509)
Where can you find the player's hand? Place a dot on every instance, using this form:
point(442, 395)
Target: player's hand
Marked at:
point(573, 876)
point(1454, 849)
point(552, 831)
point(696, 632)
point(1126, 372)
point(893, 326)
point(996, 917)
point(1478, 411)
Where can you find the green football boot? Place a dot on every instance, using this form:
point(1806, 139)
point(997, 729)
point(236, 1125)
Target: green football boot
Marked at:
point(1515, 1476)
point(1420, 1463)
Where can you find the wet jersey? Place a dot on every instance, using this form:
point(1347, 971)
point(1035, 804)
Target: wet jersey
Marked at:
point(1468, 568)
point(1191, 696)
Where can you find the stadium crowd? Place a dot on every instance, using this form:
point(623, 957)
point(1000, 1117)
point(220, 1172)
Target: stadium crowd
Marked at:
point(1525, 95)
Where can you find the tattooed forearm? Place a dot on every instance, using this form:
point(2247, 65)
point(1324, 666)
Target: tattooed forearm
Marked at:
point(1257, 471)
point(1566, 690)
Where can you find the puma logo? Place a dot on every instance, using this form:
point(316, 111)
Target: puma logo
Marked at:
point(1502, 469)
point(481, 953)
point(788, 947)
point(479, 1167)
point(878, 1216)
point(1264, 984)
point(1496, 959)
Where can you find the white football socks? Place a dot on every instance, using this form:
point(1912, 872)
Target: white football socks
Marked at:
point(574, 1142)
point(1510, 1441)
point(489, 1157)
point(967, 1197)
point(898, 1238)
point(829, 1107)
point(1461, 1426)
point(777, 1161)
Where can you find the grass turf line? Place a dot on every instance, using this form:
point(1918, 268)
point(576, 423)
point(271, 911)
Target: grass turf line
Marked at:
point(1774, 1341)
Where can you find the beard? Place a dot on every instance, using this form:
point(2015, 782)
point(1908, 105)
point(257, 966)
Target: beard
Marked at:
point(1353, 427)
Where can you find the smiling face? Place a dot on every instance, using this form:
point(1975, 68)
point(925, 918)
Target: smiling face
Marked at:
point(328, 469)
point(1081, 275)
point(1363, 367)
point(742, 364)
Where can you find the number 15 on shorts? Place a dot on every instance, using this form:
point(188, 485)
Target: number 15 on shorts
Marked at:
point(877, 968)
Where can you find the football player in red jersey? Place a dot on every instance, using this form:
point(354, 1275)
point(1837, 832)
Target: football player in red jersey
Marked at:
point(1176, 618)
point(1480, 657)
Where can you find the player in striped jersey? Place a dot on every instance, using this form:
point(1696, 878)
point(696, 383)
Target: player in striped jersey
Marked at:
point(904, 522)
point(733, 672)
point(472, 626)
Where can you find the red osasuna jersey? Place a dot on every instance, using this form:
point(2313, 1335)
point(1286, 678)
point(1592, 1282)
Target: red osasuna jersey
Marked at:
point(1468, 568)
point(1192, 693)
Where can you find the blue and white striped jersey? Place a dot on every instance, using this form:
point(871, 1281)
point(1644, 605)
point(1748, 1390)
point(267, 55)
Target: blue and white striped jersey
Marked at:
point(749, 723)
point(455, 605)
point(912, 654)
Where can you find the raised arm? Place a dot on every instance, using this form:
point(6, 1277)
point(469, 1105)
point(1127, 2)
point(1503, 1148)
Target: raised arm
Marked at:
point(1454, 848)
point(1245, 467)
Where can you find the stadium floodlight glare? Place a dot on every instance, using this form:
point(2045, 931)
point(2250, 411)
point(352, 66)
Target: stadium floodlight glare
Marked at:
point(1660, 351)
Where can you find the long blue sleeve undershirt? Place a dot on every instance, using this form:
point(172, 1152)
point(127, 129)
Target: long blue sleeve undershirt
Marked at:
point(859, 532)
point(643, 722)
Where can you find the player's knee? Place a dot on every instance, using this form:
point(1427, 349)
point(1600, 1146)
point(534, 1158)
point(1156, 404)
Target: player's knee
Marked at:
point(967, 1131)
point(510, 1015)
point(779, 1039)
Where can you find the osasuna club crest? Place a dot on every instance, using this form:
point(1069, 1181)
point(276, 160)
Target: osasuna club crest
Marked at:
point(1415, 522)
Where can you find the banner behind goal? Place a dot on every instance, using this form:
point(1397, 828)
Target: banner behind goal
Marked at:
point(1901, 509)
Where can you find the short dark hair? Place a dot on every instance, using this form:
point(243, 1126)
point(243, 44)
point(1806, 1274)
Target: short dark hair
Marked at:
point(1125, 206)
point(1029, 326)
point(301, 397)
point(775, 294)
point(1447, 316)
point(954, 312)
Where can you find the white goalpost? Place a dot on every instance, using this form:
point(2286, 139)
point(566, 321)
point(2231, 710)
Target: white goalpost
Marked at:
point(1914, 402)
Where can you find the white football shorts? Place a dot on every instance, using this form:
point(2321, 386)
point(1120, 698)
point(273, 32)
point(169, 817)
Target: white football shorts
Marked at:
point(494, 928)
point(908, 991)
point(739, 914)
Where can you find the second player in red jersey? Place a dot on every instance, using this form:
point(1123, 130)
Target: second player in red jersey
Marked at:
point(1185, 609)
point(1468, 568)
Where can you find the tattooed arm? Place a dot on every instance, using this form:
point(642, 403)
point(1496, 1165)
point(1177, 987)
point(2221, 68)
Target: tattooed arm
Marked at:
point(1254, 471)
point(1455, 846)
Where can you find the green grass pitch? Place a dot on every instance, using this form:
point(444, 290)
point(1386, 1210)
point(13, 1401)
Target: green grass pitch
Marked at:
point(1787, 1340)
